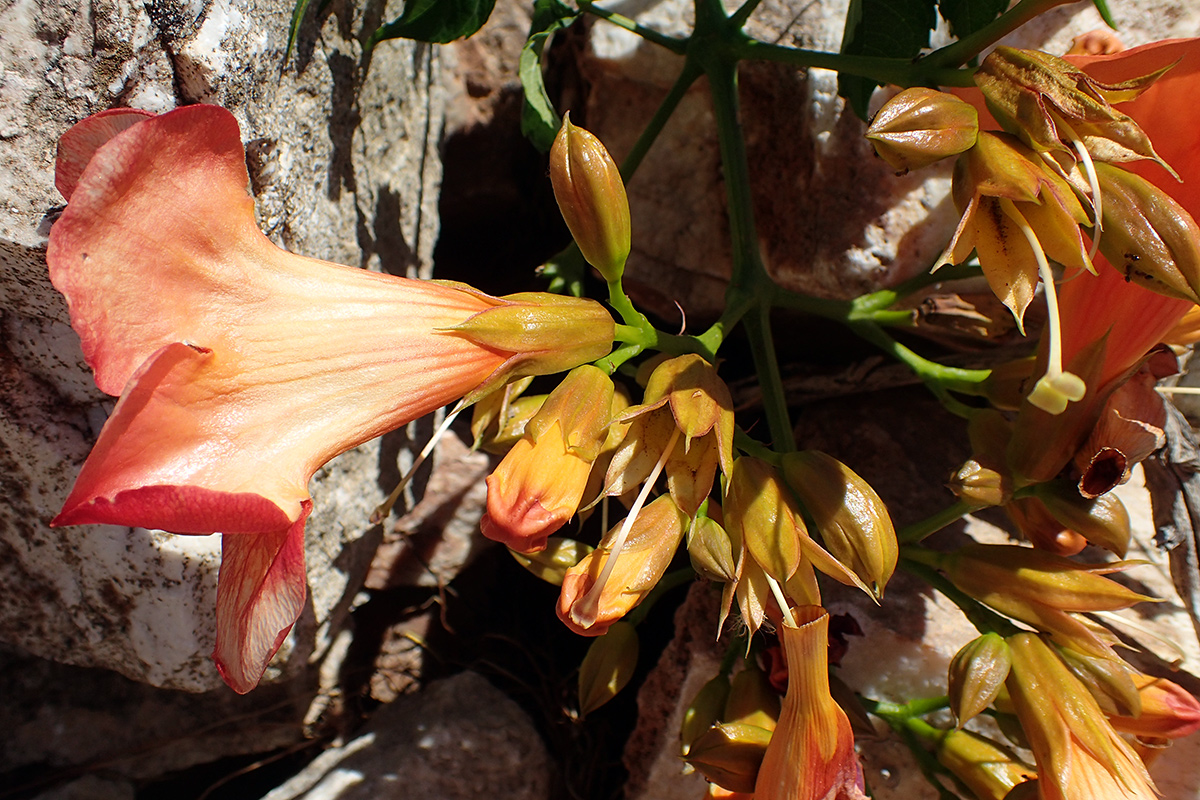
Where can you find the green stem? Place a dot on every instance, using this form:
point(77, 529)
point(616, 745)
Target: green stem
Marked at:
point(752, 447)
point(909, 710)
point(911, 534)
point(766, 364)
point(654, 127)
point(917, 562)
point(898, 71)
point(738, 20)
point(621, 21)
point(886, 298)
point(962, 51)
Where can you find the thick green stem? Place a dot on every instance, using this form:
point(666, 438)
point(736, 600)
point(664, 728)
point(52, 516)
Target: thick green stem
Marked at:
point(622, 21)
point(917, 562)
point(897, 71)
point(766, 364)
point(911, 534)
point(909, 710)
point(654, 127)
point(962, 51)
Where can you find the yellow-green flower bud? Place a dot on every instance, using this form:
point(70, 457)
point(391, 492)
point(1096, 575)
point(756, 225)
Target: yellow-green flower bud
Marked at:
point(710, 550)
point(607, 667)
point(546, 333)
point(492, 413)
point(730, 755)
point(551, 564)
point(704, 711)
point(1103, 521)
point(853, 521)
point(980, 486)
point(752, 700)
point(977, 674)
point(591, 197)
point(921, 126)
point(768, 520)
point(989, 770)
point(1150, 239)
point(1110, 680)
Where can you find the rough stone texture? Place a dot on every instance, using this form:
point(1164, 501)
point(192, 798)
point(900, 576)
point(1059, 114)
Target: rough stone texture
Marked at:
point(344, 167)
point(833, 220)
point(459, 738)
point(72, 732)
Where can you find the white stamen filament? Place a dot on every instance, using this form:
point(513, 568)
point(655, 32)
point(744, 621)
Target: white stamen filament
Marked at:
point(588, 607)
point(383, 509)
point(788, 617)
point(1097, 205)
point(1056, 387)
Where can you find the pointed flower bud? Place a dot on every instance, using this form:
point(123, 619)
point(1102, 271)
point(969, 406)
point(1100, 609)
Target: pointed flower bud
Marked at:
point(921, 126)
point(1102, 520)
point(1049, 102)
point(976, 675)
point(730, 755)
point(705, 710)
point(495, 416)
point(811, 754)
point(711, 550)
point(591, 197)
point(1077, 751)
point(607, 667)
point(752, 699)
point(1148, 237)
point(980, 486)
point(1168, 711)
point(552, 563)
point(650, 543)
point(989, 770)
point(548, 333)
point(1110, 680)
point(538, 485)
point(1038, 525)
point(1040, 589)
point(853, 521)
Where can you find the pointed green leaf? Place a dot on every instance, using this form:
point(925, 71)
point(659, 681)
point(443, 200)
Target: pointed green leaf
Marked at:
point(436, 21)
point(539, 121)
point(967, 16)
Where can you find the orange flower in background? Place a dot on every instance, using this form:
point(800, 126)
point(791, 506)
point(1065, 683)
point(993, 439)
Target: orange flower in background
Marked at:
point(241, 368)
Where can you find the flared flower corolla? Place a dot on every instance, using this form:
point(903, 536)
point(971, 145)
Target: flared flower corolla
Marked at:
point(241, 368)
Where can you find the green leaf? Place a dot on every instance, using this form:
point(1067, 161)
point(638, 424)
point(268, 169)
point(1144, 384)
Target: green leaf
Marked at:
point(294, 28)
point(1105, 14)
point(967, 16)
point(436, 21)
point(886, 29)
point(539, 121)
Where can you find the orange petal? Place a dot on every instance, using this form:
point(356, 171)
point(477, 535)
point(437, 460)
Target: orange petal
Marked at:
point(77, 146)
point(260, 593)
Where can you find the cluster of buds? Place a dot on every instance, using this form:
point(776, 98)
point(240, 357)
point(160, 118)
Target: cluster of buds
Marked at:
point(1035, 191)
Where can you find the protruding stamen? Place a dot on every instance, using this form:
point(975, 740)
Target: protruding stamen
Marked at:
point(1056, 388)
point(382, 511)
point(588, 607)
point(1085, 158)
point(780, 598)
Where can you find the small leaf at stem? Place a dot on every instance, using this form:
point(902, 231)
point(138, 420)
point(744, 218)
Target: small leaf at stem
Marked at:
point(436, 21)
point(539, 121)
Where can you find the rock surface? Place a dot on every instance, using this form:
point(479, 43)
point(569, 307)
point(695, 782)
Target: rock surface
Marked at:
point(460, 737)
point(343, 163)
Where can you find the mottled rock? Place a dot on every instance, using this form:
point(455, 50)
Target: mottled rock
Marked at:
point(458, 739)
point(343, 163)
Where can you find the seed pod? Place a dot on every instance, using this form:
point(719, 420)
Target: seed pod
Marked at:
point(607, 667)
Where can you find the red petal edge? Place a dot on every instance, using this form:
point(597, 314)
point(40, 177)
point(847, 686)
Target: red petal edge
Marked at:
point(260, 593)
